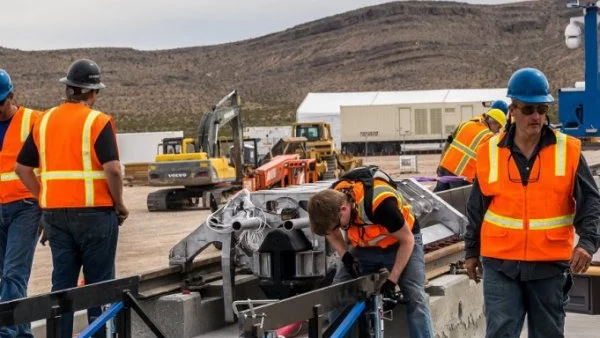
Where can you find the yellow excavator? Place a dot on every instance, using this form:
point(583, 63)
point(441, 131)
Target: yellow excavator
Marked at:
point(195, 169)
point(314, 140)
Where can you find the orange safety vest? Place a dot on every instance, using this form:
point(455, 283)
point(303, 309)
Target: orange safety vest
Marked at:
point(363, 232)
point(11, 187)
point(70, 172)
point(533, 222)
point(460, 157)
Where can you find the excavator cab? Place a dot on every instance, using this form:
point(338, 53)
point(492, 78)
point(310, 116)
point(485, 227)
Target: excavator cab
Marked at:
point(176, 145)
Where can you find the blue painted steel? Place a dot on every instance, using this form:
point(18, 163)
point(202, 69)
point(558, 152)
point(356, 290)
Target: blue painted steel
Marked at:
point(579, 109)
point(347, 323)
point(100, 322)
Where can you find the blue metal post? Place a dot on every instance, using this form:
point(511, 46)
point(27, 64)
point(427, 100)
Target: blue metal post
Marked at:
point(347, 323)
point(100, 322)
point(591, 67)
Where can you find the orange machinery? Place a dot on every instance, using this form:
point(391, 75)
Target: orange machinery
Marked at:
point(282, 171)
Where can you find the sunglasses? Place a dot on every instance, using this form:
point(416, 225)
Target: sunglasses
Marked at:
point(529, 109)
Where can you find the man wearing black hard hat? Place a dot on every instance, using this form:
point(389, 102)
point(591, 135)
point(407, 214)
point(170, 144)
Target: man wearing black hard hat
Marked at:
point(81, 185)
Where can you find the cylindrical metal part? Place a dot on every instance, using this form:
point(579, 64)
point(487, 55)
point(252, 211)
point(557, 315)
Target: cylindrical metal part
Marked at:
point(443, 252)
point(297, 223)
point(246, 224)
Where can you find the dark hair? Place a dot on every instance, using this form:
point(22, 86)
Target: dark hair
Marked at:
point(76, 94)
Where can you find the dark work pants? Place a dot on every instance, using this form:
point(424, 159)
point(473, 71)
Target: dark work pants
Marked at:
point(81, 238)
point(508, 300)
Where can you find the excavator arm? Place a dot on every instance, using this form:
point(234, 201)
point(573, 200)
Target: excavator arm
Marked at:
point(210, 124)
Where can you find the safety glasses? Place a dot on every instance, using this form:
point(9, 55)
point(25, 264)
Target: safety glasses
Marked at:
point(515, 176)
point(529, 109)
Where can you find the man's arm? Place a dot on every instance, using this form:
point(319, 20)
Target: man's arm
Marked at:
point(476, 208)
point(27, 161)
point(587, 211)
point(336, 239)
point(388, 215)
point(108, 155)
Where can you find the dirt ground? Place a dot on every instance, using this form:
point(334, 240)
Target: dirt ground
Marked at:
point(146, 238)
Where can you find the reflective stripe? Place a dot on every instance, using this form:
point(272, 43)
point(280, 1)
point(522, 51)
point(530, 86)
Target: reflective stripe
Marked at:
point(25, 124)
point(72, 175)
point(12, 176)
point(493, 150)
point(87, 174)
point(502, 221)
point(468, 152)
point(534, 223)
point(560, 163)
point(362, 213)
point(86, 152)
point(374, 241)
point(42, 151)
point(551, 223)
point(463, 148)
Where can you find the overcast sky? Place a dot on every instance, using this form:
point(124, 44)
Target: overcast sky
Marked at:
point(151, 24)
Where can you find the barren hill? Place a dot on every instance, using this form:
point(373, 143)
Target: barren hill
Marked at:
point(395, 46)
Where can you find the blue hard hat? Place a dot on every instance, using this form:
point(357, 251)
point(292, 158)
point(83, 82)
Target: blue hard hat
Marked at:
point(499, 104)
point(529, 85)
point(6, 86)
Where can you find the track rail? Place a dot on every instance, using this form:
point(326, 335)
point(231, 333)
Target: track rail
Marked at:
point(439, 259)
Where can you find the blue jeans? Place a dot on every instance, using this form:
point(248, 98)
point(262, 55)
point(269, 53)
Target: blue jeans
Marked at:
point(412, 283)
point(19, 223)
point(507, 301)
point(81, 237)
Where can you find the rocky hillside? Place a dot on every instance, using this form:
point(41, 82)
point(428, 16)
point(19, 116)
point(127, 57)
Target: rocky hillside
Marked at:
point(395, 46)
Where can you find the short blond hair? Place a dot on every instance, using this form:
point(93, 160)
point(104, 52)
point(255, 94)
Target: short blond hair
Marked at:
point(324, 210)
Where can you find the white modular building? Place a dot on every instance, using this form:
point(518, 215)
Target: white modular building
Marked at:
point(380, 122)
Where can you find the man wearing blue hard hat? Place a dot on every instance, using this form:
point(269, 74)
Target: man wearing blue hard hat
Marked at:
point(18, 207)
point(522, 216)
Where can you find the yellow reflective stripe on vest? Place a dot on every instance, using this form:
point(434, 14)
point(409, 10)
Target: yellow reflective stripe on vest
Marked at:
point(87, 174)
point(25, 124)
point(12, 176)
point(72, 175)
point(502, 221)
point(374, 241)
point(534, 223)
point(551, 223)
point(560, 163)
point(42, 152)
point(493, 150)
point(87, 157)
point(473, 154)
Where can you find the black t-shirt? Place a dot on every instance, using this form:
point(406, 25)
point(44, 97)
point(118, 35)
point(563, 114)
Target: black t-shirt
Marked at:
point(105, 146)
point(388, 215)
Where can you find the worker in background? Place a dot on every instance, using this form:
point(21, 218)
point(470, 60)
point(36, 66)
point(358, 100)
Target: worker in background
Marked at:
point(458, 157)
point(19, 209)
point(522, 216)
point(81, 184)
point(391, 240)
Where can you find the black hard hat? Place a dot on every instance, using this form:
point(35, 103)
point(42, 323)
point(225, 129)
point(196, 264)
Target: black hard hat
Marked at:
point(83, 73)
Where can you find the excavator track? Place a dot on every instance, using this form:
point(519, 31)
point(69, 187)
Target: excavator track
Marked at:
point(171, 199)
point(331, 167)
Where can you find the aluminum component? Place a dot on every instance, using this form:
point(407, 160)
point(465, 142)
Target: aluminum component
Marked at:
point(311, 264)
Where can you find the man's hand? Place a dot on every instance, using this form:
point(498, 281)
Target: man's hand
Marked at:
point(581, 260)
point(474, 268)
point(122, 212)
point(390, 296)
point(352, 265)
